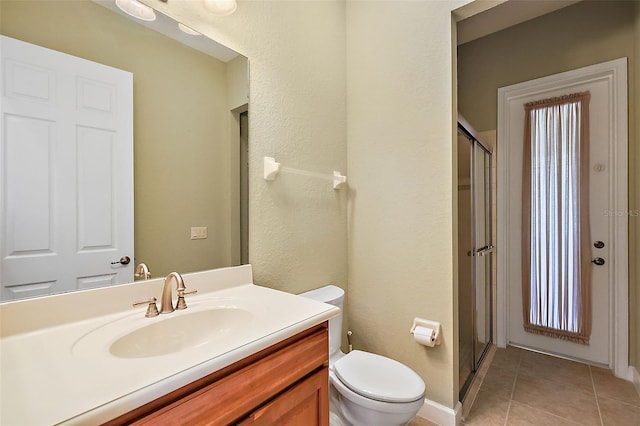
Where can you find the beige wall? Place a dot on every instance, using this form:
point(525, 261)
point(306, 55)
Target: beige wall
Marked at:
point(400, 159)
point(401, 208)
point(583, 34)
point(401, 155)
point(237, 74)
point(181, 124)
point(296, 51)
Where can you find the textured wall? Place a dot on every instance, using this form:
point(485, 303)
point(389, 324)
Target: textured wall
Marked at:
point(402, 236)
point(582, 34)
point(400, 161)
point(296, 51)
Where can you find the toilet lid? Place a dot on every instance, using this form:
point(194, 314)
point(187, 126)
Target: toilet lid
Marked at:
point(378, 377)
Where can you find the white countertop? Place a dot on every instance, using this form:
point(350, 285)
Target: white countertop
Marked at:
point(66, 374)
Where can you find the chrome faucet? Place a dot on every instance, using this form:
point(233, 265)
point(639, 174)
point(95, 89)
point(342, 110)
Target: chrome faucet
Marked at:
point(166, 302)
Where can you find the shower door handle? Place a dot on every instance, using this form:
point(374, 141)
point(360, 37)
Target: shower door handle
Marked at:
point(485, 250)
point(481, 251)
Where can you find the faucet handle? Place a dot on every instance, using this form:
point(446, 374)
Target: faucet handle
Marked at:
point(181, 304)
point(152, 309)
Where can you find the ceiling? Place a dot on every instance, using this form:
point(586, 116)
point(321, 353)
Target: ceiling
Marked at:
point(167, 26)
point(504, 15)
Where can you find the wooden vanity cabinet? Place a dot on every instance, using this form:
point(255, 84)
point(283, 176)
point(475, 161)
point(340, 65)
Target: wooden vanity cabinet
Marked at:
point(285, 384)
point(306, 403)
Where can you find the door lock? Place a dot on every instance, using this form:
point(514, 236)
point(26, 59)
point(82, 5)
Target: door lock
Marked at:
point(598, 261)
point(598, 244)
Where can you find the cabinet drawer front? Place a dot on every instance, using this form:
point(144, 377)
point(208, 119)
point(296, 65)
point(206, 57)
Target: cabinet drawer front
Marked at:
point(236, 395)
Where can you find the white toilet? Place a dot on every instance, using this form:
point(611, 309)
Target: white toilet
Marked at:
point(366, 389)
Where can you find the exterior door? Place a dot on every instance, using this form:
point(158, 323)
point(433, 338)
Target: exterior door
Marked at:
point(603, 174)
point(66, 207)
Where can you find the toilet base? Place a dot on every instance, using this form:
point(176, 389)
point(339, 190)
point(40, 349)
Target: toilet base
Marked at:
point(335, 417)
point(343, 412)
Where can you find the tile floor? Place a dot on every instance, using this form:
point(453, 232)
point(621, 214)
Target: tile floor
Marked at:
point(527, 388)
point(419, 421)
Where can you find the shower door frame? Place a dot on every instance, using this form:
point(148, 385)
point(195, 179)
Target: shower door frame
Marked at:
point(467, 131)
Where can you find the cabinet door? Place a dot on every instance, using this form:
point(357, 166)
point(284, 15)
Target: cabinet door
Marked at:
point(306, 403)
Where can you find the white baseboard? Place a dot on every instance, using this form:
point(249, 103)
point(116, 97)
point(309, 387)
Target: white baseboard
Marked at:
point(635, 378)
point(440, 414)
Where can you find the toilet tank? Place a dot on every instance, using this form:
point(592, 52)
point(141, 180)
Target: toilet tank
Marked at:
point(332, 295)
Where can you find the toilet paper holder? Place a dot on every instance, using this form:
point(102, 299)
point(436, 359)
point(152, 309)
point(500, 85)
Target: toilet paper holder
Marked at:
point(419, 326)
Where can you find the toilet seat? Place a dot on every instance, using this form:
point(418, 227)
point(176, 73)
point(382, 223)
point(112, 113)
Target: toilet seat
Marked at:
point(379, 378)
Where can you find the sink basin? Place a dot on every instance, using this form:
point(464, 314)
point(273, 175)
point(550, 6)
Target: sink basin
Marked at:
point(180, 332)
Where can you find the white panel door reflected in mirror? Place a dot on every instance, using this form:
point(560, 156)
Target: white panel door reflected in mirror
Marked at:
point(186, 141)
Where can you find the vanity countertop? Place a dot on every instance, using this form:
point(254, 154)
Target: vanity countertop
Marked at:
point(65, 373)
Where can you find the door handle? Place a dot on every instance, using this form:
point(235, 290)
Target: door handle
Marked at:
point(481, 251)
point(485, 250)
point(598, 261)
point(124, 260)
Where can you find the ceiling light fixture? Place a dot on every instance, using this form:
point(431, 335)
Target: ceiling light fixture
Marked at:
point(136, 9)
point(187, 30)
point(221, 7)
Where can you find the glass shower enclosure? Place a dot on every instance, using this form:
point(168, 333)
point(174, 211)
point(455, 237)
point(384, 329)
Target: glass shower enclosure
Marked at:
point(475, 251)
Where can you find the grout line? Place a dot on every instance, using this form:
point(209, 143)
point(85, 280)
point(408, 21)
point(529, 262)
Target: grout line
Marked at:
point(617, 401)
point(593, 383)
point(513, 390)
point(549, 413)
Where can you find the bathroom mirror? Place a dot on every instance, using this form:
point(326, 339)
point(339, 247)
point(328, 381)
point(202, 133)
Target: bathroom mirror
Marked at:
point(189, 135)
